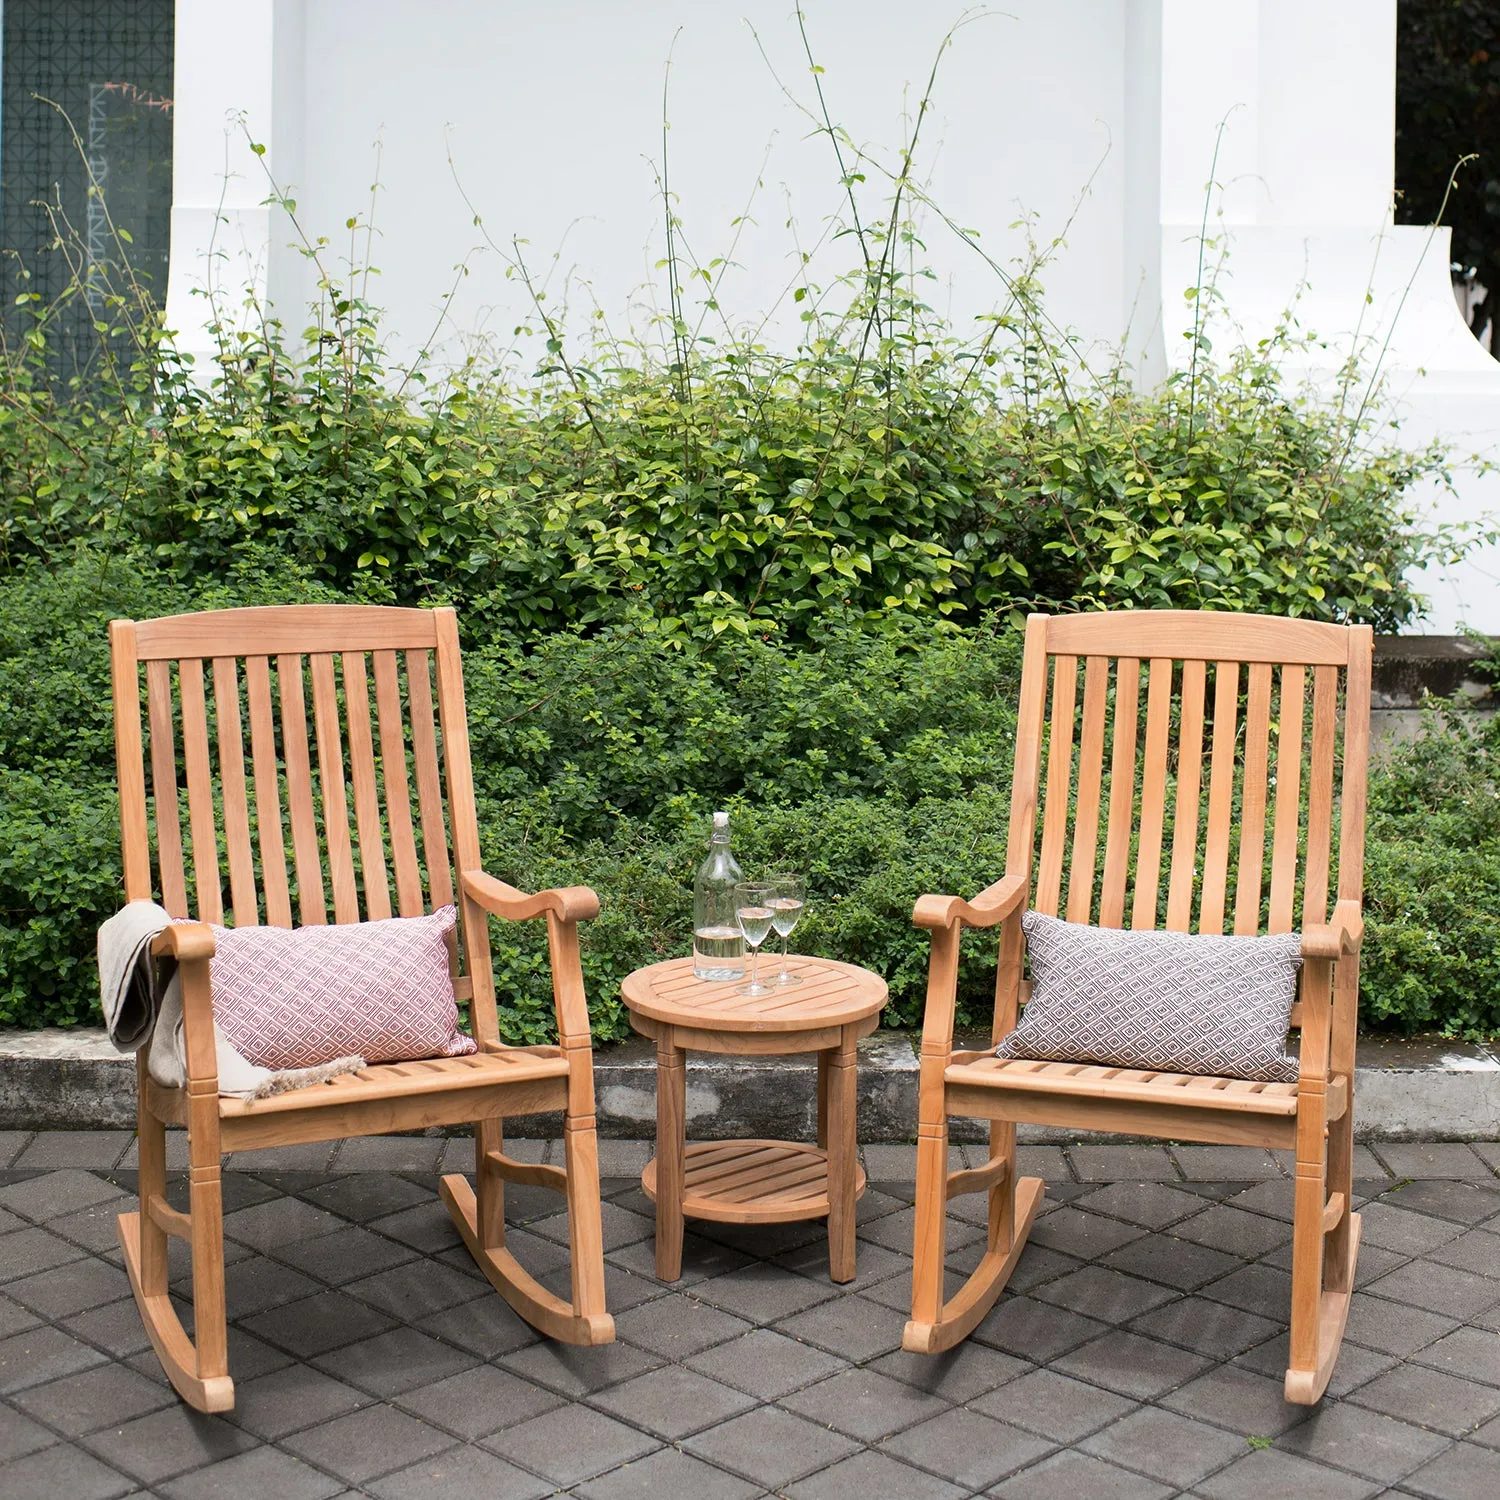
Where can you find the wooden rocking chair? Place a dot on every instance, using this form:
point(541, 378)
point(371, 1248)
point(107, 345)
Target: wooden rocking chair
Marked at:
point(1266, 659)
point(258, 657)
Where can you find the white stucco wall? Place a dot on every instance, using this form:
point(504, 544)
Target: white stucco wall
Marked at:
point(553, 115)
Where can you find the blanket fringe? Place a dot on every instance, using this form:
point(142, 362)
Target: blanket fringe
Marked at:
point(287, 1079)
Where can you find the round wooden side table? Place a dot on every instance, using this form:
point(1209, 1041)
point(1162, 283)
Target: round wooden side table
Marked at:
point(748, 1181)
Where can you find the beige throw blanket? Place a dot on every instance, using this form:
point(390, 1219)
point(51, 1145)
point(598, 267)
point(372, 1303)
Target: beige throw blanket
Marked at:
point(142, 1002)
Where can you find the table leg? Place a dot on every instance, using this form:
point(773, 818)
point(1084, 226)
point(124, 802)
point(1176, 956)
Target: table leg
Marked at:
point(824, 1061)
point(842, 1147)
point(671, 1126)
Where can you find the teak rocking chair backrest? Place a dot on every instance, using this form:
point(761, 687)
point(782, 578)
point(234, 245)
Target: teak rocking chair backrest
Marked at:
point(1183, 771)
point(339, 814)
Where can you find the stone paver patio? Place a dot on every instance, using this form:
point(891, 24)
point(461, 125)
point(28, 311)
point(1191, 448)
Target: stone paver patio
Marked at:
point(1138, 1353)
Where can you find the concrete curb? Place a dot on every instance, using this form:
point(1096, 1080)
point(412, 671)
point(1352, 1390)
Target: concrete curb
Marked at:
point(1422, 1090)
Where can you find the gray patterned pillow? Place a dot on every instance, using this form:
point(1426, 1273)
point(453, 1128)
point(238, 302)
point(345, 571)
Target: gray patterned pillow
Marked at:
point(1174, 1002)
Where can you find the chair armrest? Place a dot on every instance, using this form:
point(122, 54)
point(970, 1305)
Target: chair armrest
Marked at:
point(989, 907)
point(571, 903)
point(1340, 936)
point(184, 941)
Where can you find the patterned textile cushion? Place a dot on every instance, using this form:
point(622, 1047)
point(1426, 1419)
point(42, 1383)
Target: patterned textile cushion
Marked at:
point(296, 998)
point(1174, 1002)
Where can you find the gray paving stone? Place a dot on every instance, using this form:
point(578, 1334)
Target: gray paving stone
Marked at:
point(1050, 1163)
point(1172, 1448)
point(1367, 1165)
point(318, 1324)
point(104, 1396)
point(1427, 1159)
point(623, 1158)
point(401, 1359)
point(485, 1326)
point(677, 1325)
point(621, 1227)
point(1464, 1472)
point(701, 1259)
point(1466, 1352)
point(177, 1152)
point(869, 1473)
point(1176, 1263)
point(864, 1404)
point(171, 1441)
point(1040, 1331)
point(1462, 1202)
point(279, 1221)
point(1392, 1327)
point(1225, 1163)
point(1488, 1152)
point(390, 1153)
point(573, 1371)
point(14, 1318)
point(1475, 1250)
point(1364, 1442)
point(372, 1441)
point(958, 1374)
point(55, 1193)
point(461, 1471)
point(478, 1401)
point(1079, 1476)
point(1072, 1230)
point(348, 1254)
point(24, 1252)
point(1356, 1365)
point(854, 1327)
point(1394, 1228)
point(1210, 1328)
point(417, 1289)
point(1433, 1398)
point(70, 1288)
point(19, 1435)
point(763, 1292)
point(258, 1284)
point(1233, 1397)
point(766, 1364)
point(91, 1150)
point(11, 1145)
point(362, 1196)
point(1437, 1288)
point(1269, 1471)
point(1152, 1205)
point(1122, 1164)
point(263, 1471)
point(1235, 1231)
point(667, 1474)
point(63, 1471)
point(967, 1447)
point(286, 1400)
point(1053, 1406)
point(673, 1402)
point(41, 1354)
point(770, 1446)
point(1104, 1293)
point(1132, 1365)
point(570, 1444)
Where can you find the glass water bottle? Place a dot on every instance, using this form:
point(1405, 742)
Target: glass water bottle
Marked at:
point(718, 947)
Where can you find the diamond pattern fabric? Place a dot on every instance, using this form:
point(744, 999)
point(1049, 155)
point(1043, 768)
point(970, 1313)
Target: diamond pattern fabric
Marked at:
point(1173, 1002)
point(295, 998)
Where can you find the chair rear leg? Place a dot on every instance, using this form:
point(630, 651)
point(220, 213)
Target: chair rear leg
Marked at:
point(930, 1245)
point(205, 1194)
point(151, 1146)
point(1002, 1226)
point(1338, 1268)
point(489, 1185)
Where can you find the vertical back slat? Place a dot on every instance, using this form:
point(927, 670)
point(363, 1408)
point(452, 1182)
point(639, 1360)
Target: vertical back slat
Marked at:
point(270, 835)
point(366, 797)
point(1356, 761)
point(331, 783)
point(125, 691)
point(1189, 790)
point(200, 790)
point(164, 787)
point(1121, 793)
point(1320, 794)
point(1083, 857)
point(397, 785)
point(1248, 878)
point(1153, 794)
point(232, 783)
point(312, 900)
point(1059, 782)
point(1220, 797)
point(1288, 799)
point(429, 780)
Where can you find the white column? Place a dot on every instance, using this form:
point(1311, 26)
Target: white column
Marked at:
point(225, 93)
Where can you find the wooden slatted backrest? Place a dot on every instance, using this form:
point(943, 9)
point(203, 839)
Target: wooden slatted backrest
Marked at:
point(1188, 780)
point(309, 797)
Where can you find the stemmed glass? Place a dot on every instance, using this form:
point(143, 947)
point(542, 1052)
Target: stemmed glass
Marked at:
point(787, 906)
point(752, 909)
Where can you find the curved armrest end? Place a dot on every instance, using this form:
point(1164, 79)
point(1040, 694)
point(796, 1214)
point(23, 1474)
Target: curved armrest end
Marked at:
point(571, 903)
point(990, 907)
point(184, 941)
point(1337, 938)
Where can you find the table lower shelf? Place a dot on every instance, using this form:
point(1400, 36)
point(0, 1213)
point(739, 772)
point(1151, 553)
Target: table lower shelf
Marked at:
point(753, 1182)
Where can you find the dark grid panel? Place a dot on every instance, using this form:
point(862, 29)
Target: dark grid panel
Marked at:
point(108, 64)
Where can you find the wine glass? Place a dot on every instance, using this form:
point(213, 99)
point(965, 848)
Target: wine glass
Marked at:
point(787, 906)
point(752, 909)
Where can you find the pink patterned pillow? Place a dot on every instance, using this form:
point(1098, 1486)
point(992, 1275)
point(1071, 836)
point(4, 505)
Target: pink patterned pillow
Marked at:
point(296, 998)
